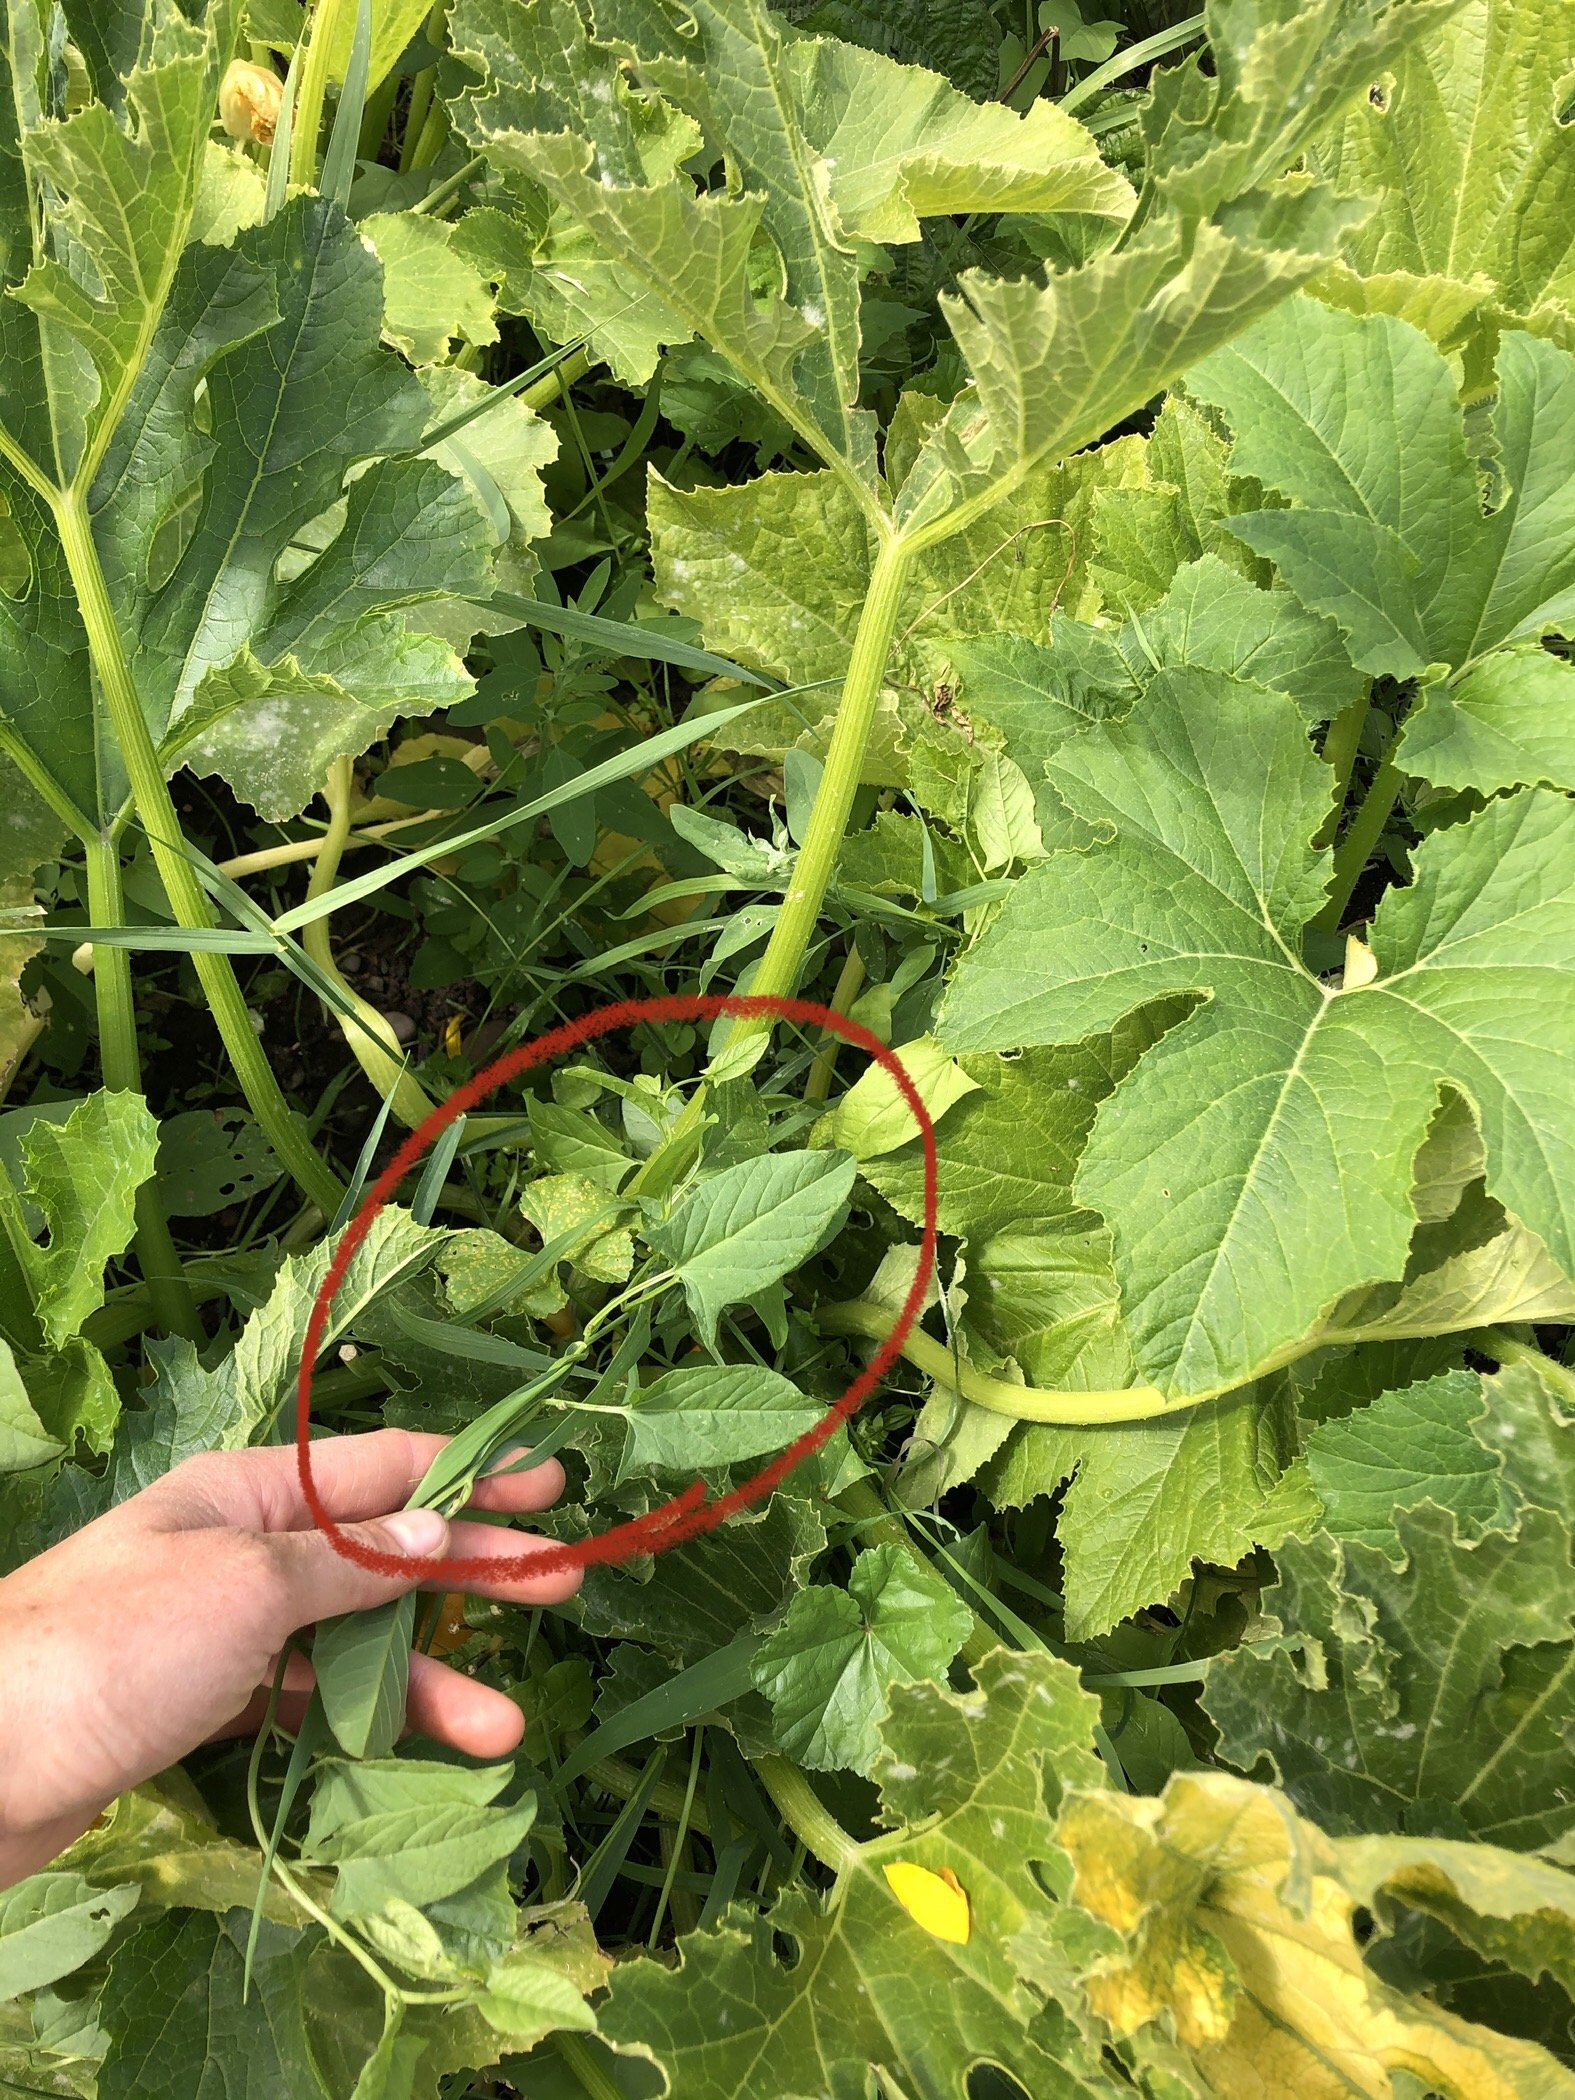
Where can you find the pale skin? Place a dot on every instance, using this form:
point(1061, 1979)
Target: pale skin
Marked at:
point(159, 1626)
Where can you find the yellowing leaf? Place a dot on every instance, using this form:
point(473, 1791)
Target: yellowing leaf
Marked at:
point(1238, 1923)
point(938, 1902)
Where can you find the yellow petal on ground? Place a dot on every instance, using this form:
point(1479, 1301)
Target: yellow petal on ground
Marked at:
point(937, 1901)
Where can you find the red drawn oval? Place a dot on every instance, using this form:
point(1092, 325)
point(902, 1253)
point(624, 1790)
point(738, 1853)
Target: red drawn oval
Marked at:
point(693, 1511)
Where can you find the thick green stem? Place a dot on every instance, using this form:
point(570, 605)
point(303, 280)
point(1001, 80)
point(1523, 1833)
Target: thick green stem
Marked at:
point(313, 91)
point(805, 1814)
point(779, 969)
point(1355, 849)
point(1024, 1403)
point(828, 820)
point(374, 119)
point(581, 2061)
point(1505, 1349)
point(157, 811)
point(174, 1307)
point(435, 28)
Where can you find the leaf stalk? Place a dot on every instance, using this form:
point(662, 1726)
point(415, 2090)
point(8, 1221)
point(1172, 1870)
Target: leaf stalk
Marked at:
point(805, 1814)
point(151, 794)
point(779, 969)
point(313, 92)
point(121, 1065)
point(1024, 1403)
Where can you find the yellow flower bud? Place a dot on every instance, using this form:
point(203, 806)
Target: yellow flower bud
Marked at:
point(249, 100)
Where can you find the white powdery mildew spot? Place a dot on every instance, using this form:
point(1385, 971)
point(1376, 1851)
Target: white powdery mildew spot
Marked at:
point(266, 722)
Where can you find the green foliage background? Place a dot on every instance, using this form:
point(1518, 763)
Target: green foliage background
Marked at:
point(1054, 533)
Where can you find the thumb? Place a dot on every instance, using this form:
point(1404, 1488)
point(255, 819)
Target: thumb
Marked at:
point(316, 1582)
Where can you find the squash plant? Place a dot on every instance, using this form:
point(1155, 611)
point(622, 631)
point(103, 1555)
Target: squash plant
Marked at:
point(1097, 605)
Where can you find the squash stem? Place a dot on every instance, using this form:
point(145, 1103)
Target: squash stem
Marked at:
point(1023, 1403)
point(805, 1814)
point(1355, 849)
point(828, 821)
point(174, 1307)
point(150, 791)
point(313, 92)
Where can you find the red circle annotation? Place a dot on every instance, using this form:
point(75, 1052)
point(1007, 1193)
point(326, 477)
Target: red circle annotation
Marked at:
point(694, 1510)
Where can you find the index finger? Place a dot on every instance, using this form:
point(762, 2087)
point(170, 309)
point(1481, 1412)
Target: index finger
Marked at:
point(363, 1475)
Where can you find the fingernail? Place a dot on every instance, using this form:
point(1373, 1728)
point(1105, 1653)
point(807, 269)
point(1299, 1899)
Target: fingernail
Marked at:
point(415, 1531)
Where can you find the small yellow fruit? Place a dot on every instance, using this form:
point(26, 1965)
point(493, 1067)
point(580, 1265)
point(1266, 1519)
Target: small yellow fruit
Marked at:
point(249, 101)
point(453, 1035)
point(937, 1901)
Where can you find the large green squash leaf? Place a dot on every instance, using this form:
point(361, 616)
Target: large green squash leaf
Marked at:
point(1437, 1695)
point(1356, 420)
point(124, 182)
point(1468, 156)
point(1143, 1500)
point(1257, 1163)
point(25, 1441)
point(171, 394)
point(181, 2023)
point(776, 569)
point(265, 676)
point(1409, 1446)
point(1143, 536)
point(1213, 243)
point(1208, 617)
point(82, 1175)
point(972, 1783)
point(1148, 1499)
point(831, 144)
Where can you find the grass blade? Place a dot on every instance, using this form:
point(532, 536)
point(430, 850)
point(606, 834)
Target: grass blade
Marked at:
point(339, 161)
point(625, 637)
point(641, 758)
point(284, 133)
point(433, 1175)
point(704, 1686)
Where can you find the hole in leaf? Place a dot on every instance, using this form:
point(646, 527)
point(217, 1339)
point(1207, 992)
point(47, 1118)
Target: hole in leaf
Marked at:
point(990, 2082)
point(1051, 1879)
point(786, 1949)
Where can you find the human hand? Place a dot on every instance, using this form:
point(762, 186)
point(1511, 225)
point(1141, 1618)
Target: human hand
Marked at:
point(159, 1625)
